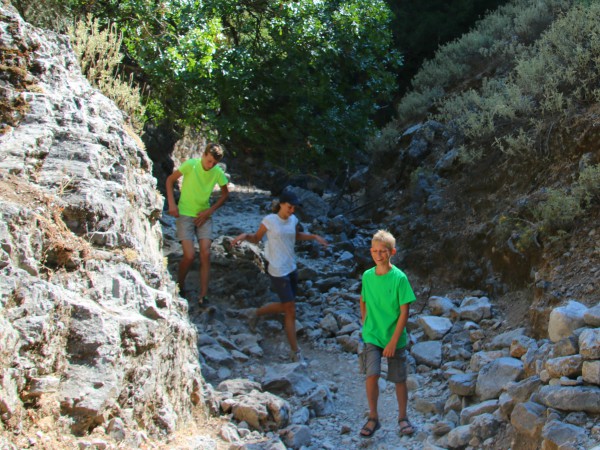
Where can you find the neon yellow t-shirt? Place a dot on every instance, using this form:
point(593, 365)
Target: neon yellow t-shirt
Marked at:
point(197, 186)
point(383, 295)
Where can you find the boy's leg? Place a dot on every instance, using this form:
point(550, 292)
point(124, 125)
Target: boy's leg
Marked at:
point(186, 261)
point(204, 266)
point(372, 371)
point(185, 233)
point(372, 387)
point(397, 373)
point(402, 397)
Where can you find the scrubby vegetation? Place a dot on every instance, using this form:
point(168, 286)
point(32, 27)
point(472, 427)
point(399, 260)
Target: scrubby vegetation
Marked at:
point(468, 82)
point(554, 79)
point(100, 57)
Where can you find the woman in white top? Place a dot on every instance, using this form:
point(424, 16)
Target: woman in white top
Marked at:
point(282, 232)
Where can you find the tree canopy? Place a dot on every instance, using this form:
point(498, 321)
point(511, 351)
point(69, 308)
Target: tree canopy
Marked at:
point(299, 80)
point(292, 80)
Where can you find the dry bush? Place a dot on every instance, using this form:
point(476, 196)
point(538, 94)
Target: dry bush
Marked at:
point(558, 211)
point(99, 53)
point(549, 84)
point(587, 188)
point(383, 147)
point(491, 47)
point(555, 215)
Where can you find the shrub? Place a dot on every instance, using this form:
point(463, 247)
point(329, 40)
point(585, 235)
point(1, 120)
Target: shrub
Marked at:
point(383, 147)
point(491, 47)
point(550, 82)
point(558, 211)
point(587, 188)
point(99, 53)
point(554, 216)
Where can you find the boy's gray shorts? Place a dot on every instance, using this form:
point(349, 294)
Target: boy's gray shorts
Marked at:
point(186, 229)
point(370, 363)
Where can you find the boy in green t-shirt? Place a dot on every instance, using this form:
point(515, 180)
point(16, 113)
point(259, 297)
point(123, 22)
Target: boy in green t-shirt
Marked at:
point(384, 303)
point(194, 211)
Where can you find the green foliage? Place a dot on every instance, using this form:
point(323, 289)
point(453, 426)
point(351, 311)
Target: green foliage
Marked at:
point(551, 81)
point(99, 53)
point(315, 82)
point(489, 49)
point(295, 80)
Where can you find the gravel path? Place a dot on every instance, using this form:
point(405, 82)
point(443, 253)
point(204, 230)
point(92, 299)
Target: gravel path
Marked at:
point(327, 365)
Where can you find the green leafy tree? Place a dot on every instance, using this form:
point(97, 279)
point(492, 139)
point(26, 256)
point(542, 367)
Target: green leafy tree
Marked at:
point(296, 80)
point(304, 79)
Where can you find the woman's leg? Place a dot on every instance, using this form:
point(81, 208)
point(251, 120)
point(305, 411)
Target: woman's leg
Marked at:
point(289, 321)
point(288, 309)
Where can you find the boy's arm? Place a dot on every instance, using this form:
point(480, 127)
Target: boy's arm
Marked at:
point(363, 310)
point(389, 349)
point(171, 179)
point(203, 216)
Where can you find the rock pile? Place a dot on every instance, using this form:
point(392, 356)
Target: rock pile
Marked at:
point(475, 383)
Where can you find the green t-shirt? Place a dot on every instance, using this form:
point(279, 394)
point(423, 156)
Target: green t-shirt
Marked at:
point(383, 295)
point(197, 186)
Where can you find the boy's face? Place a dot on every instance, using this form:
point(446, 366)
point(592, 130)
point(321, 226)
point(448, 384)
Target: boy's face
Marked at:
point(381, 254)
point(208, 161)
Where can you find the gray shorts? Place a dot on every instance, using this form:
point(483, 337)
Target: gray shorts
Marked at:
point(186, 229)
point(370, 363)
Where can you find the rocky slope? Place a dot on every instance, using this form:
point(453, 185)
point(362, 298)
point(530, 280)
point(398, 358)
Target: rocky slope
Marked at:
point(93, 335)
point(460, 224)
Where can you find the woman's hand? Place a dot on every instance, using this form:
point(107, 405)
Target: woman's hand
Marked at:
point(321, 240)
point(236, 240)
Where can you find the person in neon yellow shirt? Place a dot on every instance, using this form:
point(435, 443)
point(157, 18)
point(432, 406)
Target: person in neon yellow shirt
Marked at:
point(384, 303)
point(193, 212)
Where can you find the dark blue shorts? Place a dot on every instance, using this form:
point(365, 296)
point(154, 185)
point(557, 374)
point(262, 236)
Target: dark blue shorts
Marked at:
point(285, 287)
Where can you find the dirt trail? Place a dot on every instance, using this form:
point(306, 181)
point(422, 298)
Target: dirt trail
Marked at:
point(326, 364)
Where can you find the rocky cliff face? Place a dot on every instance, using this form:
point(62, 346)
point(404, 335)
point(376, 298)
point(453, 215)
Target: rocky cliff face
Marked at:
point(91, 329)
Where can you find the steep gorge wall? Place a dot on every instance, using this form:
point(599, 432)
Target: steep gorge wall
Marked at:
point(91, 329)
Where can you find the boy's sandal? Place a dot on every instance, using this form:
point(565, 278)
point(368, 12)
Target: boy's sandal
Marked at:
point(368, 431)
point(203, 300)
point(407, 429)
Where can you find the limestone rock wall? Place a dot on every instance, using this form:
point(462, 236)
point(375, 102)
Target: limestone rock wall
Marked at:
point(90, 323)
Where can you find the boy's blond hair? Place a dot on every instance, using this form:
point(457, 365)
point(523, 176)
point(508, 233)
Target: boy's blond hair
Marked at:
point(215, 150)
point(386, 238)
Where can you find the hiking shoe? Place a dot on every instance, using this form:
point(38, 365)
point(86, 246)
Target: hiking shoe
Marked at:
point(296, 356)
